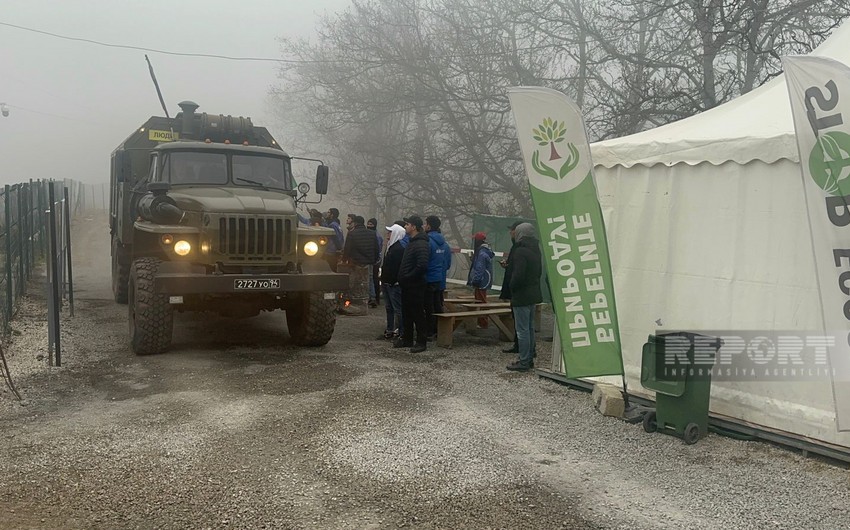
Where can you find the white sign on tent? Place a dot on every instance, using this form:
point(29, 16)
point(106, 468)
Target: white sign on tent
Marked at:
point(820, 102)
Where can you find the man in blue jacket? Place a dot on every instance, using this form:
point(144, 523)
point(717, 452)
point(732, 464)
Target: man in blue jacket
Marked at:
point(439, 260)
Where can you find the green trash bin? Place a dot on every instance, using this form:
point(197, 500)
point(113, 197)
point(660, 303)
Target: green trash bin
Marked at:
point(682, 390)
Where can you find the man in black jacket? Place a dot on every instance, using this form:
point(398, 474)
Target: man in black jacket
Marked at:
point(411, 277)
point(505, 294)
point(360, 252)
point(527, 266)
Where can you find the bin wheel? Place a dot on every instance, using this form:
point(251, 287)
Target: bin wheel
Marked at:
point(691, 434)
point(649, 423)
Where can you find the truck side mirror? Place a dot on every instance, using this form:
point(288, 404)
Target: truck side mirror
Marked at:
point(322, 180)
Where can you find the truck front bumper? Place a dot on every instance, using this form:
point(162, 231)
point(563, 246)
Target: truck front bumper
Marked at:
point(179, 283)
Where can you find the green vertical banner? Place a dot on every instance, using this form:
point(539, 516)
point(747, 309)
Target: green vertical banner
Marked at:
point(551, 134)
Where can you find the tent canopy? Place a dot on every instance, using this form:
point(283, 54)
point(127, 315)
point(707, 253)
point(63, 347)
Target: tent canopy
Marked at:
point(755, 126)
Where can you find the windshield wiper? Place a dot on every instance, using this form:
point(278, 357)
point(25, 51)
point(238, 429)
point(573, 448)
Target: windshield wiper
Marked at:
point(254, 182)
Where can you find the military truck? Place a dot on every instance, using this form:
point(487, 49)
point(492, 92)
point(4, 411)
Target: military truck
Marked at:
point(203, 218)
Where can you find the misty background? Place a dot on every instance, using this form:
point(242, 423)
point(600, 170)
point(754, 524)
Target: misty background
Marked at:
point(404, 99)
point(71, 103)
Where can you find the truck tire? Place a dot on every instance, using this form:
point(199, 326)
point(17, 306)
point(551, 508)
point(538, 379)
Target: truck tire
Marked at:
point(151, 316)
point(312, 319)
point(120, 272)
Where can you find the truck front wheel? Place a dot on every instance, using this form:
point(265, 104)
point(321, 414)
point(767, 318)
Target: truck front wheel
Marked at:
point(311, 319)
point(120, 271)
point(151, 316)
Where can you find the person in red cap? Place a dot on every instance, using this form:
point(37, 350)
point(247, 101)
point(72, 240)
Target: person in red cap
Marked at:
point(481, 272)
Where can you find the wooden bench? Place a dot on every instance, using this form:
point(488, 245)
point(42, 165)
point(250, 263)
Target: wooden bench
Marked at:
point(447, 323)
point(538, 310)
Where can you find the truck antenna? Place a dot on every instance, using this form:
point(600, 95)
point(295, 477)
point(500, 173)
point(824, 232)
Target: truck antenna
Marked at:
point(155, 84)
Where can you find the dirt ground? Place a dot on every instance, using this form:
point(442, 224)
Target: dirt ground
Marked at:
point(235, 427)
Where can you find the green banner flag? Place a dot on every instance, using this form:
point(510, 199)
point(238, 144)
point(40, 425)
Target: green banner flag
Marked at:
point(556, 153)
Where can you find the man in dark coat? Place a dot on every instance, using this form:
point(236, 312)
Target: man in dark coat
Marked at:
point(527, 266)
point(360, 252)
point(374, 280)
point(505, 294)
point(411, 277)
point(335, 243)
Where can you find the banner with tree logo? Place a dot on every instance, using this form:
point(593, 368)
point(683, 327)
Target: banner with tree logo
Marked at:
point(557, 160)
point(820, 92)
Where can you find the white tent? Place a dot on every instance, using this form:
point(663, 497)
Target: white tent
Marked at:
point(708, 230)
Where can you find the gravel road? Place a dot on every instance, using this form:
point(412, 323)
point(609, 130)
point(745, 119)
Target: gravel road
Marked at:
point(236, 428)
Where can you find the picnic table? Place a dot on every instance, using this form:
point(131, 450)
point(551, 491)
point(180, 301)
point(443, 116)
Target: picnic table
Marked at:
point(447, 323)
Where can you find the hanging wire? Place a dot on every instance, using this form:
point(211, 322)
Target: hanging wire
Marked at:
point(6, 374)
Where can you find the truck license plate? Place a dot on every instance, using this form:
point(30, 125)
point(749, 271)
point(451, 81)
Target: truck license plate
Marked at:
point(258, 283)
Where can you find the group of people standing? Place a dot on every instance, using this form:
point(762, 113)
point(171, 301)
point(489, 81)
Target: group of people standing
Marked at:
point(409, 267)
point(413, 278)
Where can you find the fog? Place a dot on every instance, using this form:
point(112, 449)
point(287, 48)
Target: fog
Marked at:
point(71, 103)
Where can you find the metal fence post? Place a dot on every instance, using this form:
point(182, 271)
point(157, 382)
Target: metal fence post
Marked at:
point(9, 293)
point(21, 233)
point(42, 220)
point(54, 269)
point(67, 222)
point(30, 230)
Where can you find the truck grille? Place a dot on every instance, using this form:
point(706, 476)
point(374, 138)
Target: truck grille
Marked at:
point(246, 238)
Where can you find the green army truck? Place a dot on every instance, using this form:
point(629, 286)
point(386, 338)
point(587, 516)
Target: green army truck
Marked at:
point(203, 218)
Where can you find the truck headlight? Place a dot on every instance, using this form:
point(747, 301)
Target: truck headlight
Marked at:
point(181, 248)
point(311, 248)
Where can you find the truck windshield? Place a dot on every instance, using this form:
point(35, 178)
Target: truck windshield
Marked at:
point(264, 171)
point(186, 167)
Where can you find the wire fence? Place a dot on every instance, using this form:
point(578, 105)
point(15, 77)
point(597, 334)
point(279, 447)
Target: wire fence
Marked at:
point(24, 235)
point(87, 197)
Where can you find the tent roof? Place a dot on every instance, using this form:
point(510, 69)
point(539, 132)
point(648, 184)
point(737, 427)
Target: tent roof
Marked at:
point(754, 126)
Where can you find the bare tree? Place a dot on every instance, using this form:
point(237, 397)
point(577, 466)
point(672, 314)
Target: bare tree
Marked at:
point(410, 95)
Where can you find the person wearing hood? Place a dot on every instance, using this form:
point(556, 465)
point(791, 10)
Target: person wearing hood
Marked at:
point(527, 266)
point(389, 281)
point(411, 277)
point(439, 261)
point(481, 273)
